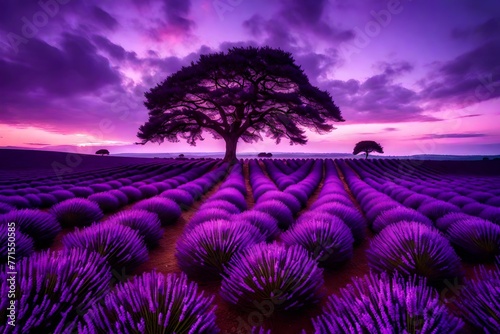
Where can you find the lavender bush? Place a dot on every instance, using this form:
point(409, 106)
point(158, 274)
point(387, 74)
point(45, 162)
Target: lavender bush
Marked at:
point(144, 222)
point(279, 211)
point(153, 303)
point(76, 212)
point(411, 248)
point(397, 215)
point(381, 304)
point(328, 241)
point(478, 239)
point(54, 289)
point(24, 245)
point(41, 226)
point(204, 251)
point(269, 273)
point(122, 246)
point(167, 210)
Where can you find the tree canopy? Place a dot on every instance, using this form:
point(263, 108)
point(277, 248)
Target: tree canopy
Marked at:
point(243, 93)
point(102, 152)
point(367, 146)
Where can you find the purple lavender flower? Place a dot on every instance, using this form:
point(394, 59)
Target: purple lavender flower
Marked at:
point(289, 200)
point(411, 248)
point(478, 239)
point(492, 214)
point(269, 273)
point(82, 192)
point(133, 194)
point(54, 289)
point(474, 209)
point(479, 300)
point(41, 226)
point(299, 194)
point(4, 208)
point(278, 210)
point(25, 245)
point(397, 215)
point(122, 246)
point(76, 212)
point(148, 191)
point(436, 209)
point(204, 215)
point(204, 251)
point(144, 222)
point(267, 224)
point(449, 219)
point(167, 210)
point(328, 241)
point(153, 303)
point(106, 201)
point(222, 205)
point(182, 197)
point(231, 195)
point(350, 216)
point(47, 200)
point(381, 304)
point(332, 198)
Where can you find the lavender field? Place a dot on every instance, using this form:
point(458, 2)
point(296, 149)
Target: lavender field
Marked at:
point(258, 246)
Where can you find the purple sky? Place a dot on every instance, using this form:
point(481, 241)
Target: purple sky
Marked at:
point(419, 76)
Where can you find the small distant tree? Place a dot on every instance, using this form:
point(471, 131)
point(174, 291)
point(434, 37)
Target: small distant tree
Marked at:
point(102, 152)
point(367, 146)
point(241, 94)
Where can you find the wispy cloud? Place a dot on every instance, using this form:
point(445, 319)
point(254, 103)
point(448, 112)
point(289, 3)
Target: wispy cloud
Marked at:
point(452, 135)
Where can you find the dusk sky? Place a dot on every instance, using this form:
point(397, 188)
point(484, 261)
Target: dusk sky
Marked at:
point(419, 76)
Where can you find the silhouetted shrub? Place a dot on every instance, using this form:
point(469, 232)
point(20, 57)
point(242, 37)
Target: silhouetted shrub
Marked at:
point(177, 306)
point(414, 249)
point(287, 278)
point(123, 247)
point(76, 212)
point(167, 210)
point(204, 251)
point(144, 222)
point(328, 241)
point(41, 226)
point(54, 289)
point(381, 304)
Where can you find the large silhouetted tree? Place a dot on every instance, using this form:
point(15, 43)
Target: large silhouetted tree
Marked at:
point(239, 94)
point(367, 146)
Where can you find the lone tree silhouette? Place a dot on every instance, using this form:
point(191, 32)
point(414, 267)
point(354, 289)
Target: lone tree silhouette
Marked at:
point(102, 152)
point(239, 94)
point(367, 146)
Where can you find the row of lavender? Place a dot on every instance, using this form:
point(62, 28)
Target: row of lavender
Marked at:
point(286, 273)
point(149, 179)
point(62, 291)
point(36, 229)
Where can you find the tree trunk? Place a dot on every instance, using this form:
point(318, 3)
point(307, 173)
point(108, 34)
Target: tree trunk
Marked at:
point(366, 155)
point(231, 144)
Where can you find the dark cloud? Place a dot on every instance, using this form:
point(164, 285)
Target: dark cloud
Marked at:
point(177, 12)
point(378, 99)
point(469, 116)
point(468, 79)
point(452, 135)
point(71, 68)
point(104, 18)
